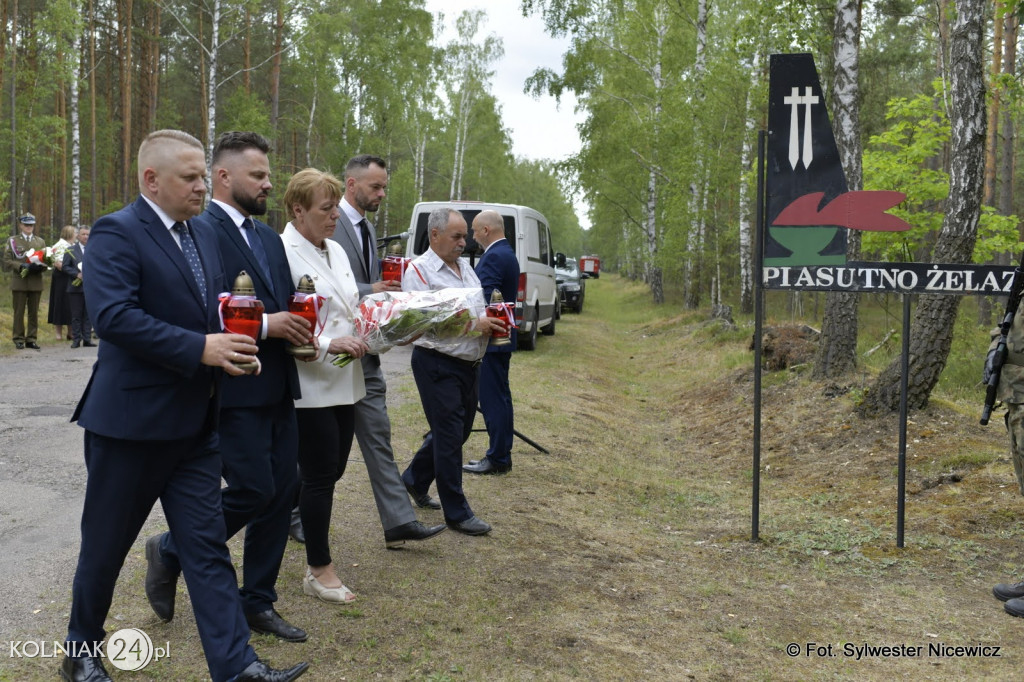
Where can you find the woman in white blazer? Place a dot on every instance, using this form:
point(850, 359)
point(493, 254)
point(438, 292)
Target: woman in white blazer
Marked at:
point(326, 410)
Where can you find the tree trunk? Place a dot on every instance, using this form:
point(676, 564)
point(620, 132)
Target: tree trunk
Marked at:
point(695, 240)
point(992, 130)
point(61, 158)
point(14, 127)
point(211, 81)
point(93, 173)
point(837, 347)
point(76, 136)
point(931, 333)
point(747, 227)
point(275, 70)
point(247, 51)
point(124, 22)
point(1009, 133)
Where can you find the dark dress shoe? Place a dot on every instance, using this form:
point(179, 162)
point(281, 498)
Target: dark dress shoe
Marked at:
point(20, 345)
point(471, 526)
point(161, 581)
point(414, 530)
point(270, 622)
point(424, 501)
point(258, 671)
point(486, 466)
point(76, 343)
point(1006, 592)
point(88, 344)
point(87, 669)
point(32, 344)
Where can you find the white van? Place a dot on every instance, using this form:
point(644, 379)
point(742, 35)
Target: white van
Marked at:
point(528, 232)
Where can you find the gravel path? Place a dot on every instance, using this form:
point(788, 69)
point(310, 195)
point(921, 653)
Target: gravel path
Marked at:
point(42, 480)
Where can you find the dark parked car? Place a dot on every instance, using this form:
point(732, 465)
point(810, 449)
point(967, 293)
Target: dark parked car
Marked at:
point(572, 283)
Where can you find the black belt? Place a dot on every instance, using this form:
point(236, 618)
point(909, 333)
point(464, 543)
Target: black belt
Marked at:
point(472, 364)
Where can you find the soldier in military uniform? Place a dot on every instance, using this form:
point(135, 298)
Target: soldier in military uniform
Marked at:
point(27, 286)
point(1011, 393)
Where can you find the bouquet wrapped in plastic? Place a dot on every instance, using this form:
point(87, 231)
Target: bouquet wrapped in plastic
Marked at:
point(393, 318)
point(34, 260)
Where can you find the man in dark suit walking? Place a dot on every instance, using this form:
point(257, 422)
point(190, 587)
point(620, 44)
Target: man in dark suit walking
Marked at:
point(73, 265)
point(498, 269)
point(150, 411)
point(258, 431)
point(366, 183)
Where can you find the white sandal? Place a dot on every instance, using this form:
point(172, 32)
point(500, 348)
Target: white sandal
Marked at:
point(334, 595)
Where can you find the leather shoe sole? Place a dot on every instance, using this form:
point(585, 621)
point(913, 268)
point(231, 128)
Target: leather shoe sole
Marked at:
point(424, 501)
point(414, 530)
point(258, 671)
point(161, 581)
point(270, 622)
point(471, 526)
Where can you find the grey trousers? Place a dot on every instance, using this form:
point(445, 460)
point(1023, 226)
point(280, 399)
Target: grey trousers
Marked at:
point(373, 433)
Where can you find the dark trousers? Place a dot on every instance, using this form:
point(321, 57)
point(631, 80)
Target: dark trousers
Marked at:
point(125, 478)
point(259, 448)
point(81, 327)
point(325, 438)
point(496, 405)
point(448, 391)
point(25, 302)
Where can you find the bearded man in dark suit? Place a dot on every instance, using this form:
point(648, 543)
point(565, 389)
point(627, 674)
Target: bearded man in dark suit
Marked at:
point(258, 431)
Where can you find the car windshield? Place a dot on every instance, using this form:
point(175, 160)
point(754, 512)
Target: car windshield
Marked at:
point(570, 268)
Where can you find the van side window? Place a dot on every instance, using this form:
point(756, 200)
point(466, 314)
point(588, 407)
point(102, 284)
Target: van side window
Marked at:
point(544, 242)
point(532, 241)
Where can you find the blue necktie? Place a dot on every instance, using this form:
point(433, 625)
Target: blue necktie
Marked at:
point(188, 248)
point(256, 244)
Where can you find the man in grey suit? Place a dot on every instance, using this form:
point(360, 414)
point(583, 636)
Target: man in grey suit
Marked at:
point(366, 183)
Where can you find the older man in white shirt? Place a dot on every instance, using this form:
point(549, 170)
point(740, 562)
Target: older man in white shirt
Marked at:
point(446, 373)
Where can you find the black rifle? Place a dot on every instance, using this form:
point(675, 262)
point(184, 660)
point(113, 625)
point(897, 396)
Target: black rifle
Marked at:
point(997, 356)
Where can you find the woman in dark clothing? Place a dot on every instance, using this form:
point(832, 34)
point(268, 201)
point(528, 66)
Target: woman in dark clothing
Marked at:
point(59, 312)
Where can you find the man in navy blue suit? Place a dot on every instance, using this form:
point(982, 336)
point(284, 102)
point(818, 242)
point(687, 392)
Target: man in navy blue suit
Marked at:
point(258, 431)
point(150, 411)
point(497, 269)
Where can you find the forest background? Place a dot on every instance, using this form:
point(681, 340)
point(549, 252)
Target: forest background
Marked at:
point(672, 93)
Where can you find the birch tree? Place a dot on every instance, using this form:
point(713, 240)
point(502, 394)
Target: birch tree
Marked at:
point(471, 65)
point(695, 239)
point(837, 347)
point(931, 332)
